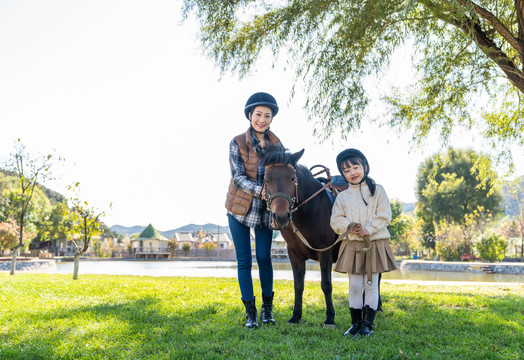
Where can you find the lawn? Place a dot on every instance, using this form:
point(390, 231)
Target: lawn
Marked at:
point(51, 316)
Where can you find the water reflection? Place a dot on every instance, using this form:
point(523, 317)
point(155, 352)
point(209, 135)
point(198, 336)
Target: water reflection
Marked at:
point(282, 271)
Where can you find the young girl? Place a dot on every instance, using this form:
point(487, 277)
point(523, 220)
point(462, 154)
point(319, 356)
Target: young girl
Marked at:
point(363, 212)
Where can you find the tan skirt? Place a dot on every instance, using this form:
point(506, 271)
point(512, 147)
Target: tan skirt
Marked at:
point(381, 255)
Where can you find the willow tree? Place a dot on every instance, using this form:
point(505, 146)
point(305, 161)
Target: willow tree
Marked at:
point(468, 57)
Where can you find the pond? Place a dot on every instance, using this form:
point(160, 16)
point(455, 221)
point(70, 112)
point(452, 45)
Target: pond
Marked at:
point(282, 271)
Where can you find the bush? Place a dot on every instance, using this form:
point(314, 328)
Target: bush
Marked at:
point(209, 246)
point(492, 247)
point(186, 247)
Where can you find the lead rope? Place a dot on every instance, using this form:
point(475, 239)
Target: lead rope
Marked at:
point(343, 236)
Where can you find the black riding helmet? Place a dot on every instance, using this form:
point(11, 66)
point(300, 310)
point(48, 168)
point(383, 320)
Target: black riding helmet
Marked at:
point(261, 99)
point(352, 154)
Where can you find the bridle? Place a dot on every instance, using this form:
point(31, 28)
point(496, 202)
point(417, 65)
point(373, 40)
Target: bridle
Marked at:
point(292, 200)
point(270, 197)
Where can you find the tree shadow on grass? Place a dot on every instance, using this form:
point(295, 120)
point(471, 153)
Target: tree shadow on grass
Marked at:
point(130, 329)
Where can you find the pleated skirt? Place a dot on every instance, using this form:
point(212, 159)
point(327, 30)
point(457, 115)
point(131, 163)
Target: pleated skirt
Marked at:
point(381, 255)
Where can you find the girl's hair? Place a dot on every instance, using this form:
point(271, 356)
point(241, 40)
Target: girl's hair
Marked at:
point(357, 160)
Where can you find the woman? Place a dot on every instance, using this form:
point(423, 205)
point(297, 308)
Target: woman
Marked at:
point(245, 208)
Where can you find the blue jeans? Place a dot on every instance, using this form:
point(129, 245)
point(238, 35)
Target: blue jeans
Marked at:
point(242, 241)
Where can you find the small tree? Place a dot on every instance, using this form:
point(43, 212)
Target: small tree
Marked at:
point(186, 247)
point(492, 247)
point(173, 245)
point(29, 169)
point(8, 235)
point(86, 224)
point(209, 246)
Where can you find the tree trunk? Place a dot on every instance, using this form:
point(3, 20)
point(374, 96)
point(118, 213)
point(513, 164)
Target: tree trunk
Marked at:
point(13, 261)
point(76, 266)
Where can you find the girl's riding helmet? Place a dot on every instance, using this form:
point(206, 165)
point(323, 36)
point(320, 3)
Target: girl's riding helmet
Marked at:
point(261, 99)
point(352, 153)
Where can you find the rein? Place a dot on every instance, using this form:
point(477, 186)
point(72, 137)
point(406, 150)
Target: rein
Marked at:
point(341, 237)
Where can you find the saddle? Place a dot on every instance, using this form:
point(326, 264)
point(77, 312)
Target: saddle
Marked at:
point(335, 185)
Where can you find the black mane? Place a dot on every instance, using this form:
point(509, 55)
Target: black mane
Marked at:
point(275, 154)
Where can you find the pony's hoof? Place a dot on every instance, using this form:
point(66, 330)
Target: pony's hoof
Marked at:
point(293, 321)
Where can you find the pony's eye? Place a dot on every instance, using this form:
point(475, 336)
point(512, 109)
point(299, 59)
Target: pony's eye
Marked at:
point(293, 179)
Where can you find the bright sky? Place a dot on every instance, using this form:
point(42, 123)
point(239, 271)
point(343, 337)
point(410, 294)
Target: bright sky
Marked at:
point(122, 91)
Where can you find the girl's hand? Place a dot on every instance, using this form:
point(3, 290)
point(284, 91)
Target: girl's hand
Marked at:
point(363, 232)
point(356, 229)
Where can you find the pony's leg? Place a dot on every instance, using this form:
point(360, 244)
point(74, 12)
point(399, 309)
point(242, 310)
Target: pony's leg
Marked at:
point(325, 260)
point(299, 273)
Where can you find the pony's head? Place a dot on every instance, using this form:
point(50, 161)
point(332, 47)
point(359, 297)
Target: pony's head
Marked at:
point(280, 183)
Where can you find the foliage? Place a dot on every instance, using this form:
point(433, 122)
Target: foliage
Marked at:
point(468, 57)
point(456, 239)
point(29, 169)
point(49, 316)
point(491, 247)
point(514, 203)
point(208, 246)
point(186, 246)
point(173, 244)
point(403, 230)
point(53, 224)
point(450, 189)
point(451, 242)
point(8, 235)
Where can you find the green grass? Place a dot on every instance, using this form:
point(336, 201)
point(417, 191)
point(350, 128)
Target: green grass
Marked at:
point(51, 316)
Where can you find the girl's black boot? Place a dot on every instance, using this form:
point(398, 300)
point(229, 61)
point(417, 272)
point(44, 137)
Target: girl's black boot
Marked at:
point(251, 313)
point(368, 317)
point(356, 322)
point(266, 314)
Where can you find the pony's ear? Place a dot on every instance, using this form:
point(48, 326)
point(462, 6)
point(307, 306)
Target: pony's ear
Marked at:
point(296, 156)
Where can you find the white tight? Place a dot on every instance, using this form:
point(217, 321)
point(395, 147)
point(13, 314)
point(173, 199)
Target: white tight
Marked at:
point(359, 282)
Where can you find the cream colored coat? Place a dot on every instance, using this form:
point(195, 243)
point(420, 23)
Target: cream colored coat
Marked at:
point(349, 207)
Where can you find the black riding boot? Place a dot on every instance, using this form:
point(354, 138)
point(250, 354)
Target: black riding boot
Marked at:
point(251, 313)
point(356, 322)
point(368, 316)
point(266, 314)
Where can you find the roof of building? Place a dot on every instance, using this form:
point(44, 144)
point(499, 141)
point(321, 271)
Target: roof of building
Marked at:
point(151, 233)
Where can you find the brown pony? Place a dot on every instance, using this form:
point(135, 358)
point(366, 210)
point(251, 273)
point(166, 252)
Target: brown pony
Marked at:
point(288, 188)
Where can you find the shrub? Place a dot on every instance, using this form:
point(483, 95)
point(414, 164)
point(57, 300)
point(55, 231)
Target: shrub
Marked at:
point(209, 246)
point(186, 246)
point(491, 247)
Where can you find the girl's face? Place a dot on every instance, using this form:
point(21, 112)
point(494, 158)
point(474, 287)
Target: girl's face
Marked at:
point(353, 172)
point(261, 118)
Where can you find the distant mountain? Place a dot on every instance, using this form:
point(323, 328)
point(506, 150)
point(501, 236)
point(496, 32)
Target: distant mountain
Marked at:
point(408, 208)
point(127, 230)
point(193, 228)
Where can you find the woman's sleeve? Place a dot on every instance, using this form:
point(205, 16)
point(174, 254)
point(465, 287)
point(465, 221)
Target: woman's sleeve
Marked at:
point(382, 215)
point(339, 222)
point(238, 173)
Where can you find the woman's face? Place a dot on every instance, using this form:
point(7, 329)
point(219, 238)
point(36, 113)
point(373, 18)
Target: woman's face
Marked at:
point(353, 173)
point(261, 118)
